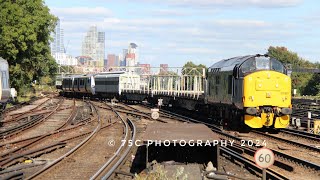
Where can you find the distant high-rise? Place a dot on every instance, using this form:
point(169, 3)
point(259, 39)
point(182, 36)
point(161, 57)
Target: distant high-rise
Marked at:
point(124, 55)
point(56, 45)
point(93, 45)
point(111, 61)
point(131, 57)
point(58, 51)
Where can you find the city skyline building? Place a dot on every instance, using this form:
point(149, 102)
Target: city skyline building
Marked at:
point(124, 55)
point(131, 56)
point(111, 61)
point(93, 45)
point(64, 59)
point(58, 51)
point(57, 46)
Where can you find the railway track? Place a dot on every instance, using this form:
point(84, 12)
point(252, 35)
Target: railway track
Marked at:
point(21, 146)
point(30, 123)
point(25, 110)
point(291, 142)
point(302, 134)
point(41, 173)
point(78, 163)
point(119, 157)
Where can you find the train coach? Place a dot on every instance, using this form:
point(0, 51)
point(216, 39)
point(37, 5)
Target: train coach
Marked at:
point(116, 84)
point(84, 85)
point(253, 90)
point(4, 83)
point(78, 85)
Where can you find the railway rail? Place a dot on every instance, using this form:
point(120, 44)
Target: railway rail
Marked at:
point(34, 121)
point(72, 151)
point(112, 164)
point(28, 143)
point(303, 134)
point(295, 143)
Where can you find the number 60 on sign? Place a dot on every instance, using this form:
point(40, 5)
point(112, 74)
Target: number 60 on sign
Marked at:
point(264, 157)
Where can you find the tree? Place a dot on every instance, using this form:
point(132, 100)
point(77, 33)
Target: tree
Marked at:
point(25, 28)
point(313, 86)
point(191, 73)
point(300, 81)
point(192, 69)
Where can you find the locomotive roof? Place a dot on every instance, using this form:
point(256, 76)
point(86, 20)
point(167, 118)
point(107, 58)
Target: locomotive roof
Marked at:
point(228, 64)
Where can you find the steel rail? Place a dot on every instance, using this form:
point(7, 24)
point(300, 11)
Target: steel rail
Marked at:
point(106, 176)
point(117, 153)
point(288, 141)
point(55, 162)
point(306, 135)
point(41, 137)
point(28, 125)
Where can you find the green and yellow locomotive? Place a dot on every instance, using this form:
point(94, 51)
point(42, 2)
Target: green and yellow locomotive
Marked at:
point(254, 90)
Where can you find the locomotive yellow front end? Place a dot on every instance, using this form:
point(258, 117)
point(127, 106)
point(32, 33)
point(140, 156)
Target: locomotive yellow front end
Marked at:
point(267, 99)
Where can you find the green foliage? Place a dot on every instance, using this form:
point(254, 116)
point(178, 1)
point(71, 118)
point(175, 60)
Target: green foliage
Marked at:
point(25, 28)
point(305, 83)
point(192, 69)
point(313, 86)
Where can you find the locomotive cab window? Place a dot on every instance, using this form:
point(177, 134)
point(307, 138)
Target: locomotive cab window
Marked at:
point(277, 66)
point(262, 63)
point(248, 66)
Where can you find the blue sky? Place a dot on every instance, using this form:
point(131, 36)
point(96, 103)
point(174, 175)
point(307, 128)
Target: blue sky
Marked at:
point(203, 31)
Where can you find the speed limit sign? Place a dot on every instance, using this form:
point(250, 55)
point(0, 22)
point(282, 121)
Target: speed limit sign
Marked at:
point(264, 157)
point(155, 115)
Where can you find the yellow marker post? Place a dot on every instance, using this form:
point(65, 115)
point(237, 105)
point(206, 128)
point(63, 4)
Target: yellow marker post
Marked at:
point(316, 126)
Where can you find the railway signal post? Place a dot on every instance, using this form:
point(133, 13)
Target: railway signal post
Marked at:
point(264, 158)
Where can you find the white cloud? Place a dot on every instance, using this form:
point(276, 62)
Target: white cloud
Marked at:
point(195, 50)
point(169, 12)
point(81, 12)
point(229, 3)
point(241, 23)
